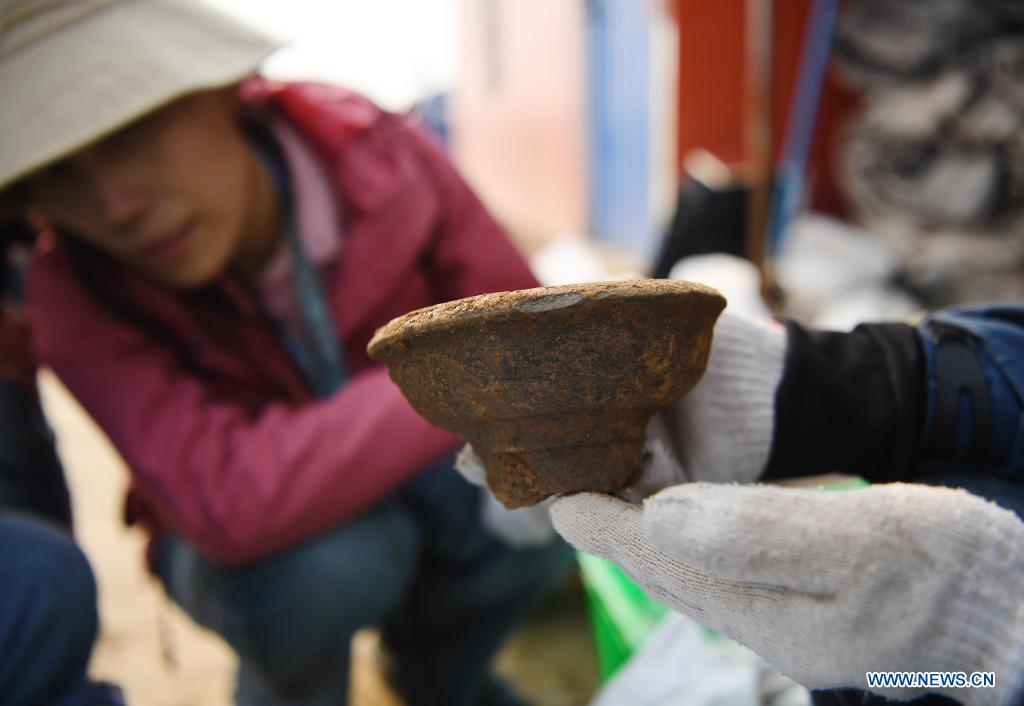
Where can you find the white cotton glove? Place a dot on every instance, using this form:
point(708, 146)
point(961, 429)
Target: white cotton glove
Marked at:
point(722, 430)
point(521, 527)
point(828, 586)
point(469, 465)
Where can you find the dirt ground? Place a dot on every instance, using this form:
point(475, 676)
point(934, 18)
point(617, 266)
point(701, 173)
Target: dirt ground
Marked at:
point(161, 658)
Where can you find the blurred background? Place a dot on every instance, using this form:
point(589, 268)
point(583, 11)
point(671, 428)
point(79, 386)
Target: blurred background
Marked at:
point(588, 119)
point(834, 161)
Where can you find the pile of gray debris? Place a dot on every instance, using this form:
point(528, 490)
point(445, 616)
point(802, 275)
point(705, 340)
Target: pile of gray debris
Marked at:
point(935, 163)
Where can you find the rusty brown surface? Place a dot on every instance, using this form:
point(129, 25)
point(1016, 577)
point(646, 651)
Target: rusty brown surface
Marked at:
point(553, 386)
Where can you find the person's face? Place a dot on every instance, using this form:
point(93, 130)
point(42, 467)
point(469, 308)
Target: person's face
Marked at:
point(175, 194)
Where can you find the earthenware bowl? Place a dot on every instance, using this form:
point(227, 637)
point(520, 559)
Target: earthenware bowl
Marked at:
point(553, 386)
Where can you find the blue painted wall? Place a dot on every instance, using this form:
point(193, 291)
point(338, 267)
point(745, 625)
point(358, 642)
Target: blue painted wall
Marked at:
point(618, 109)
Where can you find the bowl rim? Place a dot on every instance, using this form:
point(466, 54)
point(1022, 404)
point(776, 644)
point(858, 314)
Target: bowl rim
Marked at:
point(508, 304)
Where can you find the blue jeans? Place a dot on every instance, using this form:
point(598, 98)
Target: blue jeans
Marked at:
point(48, 618)
point(443, 590)
point(48, 622)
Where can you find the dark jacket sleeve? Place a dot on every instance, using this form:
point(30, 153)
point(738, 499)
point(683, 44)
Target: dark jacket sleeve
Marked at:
point(31, 477)
point(893, 402)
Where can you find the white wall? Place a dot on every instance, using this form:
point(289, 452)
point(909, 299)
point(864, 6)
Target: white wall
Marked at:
point(394, 51)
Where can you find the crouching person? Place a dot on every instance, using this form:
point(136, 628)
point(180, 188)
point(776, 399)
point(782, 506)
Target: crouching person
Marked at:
point(48, 622)
point(48, 616)
point(216, 252)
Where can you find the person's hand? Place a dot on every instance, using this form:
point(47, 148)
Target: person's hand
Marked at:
point(15, 356)
point(829, 585)
point(722, 430)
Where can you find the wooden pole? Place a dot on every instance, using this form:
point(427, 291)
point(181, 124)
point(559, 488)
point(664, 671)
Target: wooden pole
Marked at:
point(758, 103)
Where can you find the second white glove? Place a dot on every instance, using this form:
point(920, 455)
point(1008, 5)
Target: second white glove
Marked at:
point(829, 586)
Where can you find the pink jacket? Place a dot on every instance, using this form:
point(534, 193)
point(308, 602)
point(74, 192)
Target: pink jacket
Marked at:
point(222, 438)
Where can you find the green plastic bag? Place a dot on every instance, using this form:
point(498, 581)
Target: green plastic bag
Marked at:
point(621, 614)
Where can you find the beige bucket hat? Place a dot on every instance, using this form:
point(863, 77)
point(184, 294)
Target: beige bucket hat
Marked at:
point(72, 71)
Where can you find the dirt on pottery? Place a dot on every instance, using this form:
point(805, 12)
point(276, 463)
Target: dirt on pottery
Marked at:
point(553, 386)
